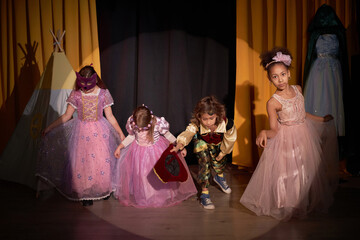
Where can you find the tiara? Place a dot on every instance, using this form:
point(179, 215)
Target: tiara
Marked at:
point(135, 126)
point(284, 58)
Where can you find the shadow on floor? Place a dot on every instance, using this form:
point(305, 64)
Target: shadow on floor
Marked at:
point(23, 216)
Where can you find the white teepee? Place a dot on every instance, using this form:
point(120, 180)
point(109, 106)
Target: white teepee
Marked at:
point(47, 103)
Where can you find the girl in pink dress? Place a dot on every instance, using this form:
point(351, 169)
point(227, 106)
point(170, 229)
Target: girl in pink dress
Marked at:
point(297, 172)
point(76, 154)
point(136, 183)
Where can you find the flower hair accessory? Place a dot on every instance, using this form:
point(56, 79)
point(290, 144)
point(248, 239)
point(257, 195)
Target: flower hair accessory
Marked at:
point(147, 127)
point(280, 57)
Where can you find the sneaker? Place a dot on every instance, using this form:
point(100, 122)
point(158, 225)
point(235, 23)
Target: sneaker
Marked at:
point(206, 201)
point(222, 184)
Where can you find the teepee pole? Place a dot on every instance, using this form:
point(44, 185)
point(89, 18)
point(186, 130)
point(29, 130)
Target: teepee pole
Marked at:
point(58, 40)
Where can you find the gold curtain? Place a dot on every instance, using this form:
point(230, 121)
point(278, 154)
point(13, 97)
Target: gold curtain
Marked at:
point(26, 45)
point(261, 25)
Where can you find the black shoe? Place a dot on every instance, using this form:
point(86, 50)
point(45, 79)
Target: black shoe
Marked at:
point(87, 202)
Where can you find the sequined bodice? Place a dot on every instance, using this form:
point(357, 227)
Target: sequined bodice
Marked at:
point(327, 44)
point(293, 109)
point(90, 106)
point(89, 110)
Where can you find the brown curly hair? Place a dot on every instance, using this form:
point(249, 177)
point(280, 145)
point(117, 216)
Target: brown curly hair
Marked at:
point(209, 105)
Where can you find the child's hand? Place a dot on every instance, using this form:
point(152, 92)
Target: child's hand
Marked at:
point(261, 139)
point(328, 118)
point(117, 153)
point(45, 131)
point(176, 148)
point(183, 152)
point(118, 149)
point(220, 156)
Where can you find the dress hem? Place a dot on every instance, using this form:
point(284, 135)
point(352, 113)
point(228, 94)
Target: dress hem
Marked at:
point(47, 181)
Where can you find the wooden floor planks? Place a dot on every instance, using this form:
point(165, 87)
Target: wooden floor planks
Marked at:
point(22, 216)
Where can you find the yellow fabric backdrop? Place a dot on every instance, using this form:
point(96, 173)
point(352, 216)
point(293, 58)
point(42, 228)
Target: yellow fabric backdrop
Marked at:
point(26, 45)
point(261, 25)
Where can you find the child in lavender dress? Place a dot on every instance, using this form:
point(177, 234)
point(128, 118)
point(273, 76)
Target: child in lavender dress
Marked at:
point(76, 154)
point(136, 183)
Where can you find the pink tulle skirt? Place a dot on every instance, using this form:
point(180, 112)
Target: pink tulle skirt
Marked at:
point(297, 172)
point(77, 158)
point(136, 183)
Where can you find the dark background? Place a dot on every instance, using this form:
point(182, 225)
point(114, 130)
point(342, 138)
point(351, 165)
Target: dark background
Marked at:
point(170, 54)
point(167, 55)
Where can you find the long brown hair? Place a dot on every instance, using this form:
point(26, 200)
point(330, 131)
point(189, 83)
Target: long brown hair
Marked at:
point(209, 105)
point(87, 72)
point(142, 118)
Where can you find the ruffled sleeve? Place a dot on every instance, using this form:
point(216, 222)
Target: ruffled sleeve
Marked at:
point(186, 136)
point(129, 127)
point(229, 137)
point(130, 137)
point(108, 100)
point(163, 126)
point(72, 100)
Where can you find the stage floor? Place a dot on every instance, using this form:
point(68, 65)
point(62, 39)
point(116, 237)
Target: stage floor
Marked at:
point(51, 216)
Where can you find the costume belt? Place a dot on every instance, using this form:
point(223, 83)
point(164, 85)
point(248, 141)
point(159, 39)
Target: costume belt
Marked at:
point(326, 55)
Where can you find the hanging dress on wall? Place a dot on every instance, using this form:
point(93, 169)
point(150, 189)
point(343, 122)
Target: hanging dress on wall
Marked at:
point(324, 86)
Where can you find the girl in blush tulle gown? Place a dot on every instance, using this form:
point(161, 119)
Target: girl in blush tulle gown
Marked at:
point(297, 172)
point(76, 154)
point(136, 183)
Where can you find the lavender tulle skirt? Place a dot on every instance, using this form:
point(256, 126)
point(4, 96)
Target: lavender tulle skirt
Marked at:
point(297, 172)
point(136, 183)
point(77, 158)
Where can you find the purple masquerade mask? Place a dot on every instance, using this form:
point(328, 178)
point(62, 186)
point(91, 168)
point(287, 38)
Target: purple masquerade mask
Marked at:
point(86, 83)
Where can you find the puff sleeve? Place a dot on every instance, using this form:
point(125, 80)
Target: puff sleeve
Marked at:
point(229, 137)
point(163, 127)
point(72, 99)
point(130, 137)
point(186, 136)
point(108, 100)
point(129, 127)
